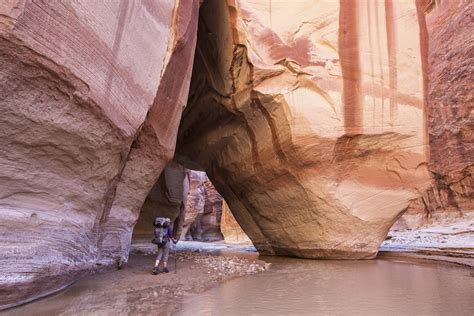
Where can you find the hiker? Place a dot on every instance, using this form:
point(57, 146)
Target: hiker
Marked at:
point(163, 239)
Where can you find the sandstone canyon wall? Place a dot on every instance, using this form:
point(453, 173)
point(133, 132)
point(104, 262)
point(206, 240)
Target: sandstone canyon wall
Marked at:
point(203, 209)
point(91, 95)
point(308, 116)
point(166, 199)
point(451, 103)
point(195, 201)
point(450, 98)
point(230, 229)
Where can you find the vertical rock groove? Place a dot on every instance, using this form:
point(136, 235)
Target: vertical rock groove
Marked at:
point(392, 58)
point(350, 66)
point(424, 65)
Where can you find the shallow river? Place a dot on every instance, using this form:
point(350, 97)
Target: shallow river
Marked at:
point(375, 287)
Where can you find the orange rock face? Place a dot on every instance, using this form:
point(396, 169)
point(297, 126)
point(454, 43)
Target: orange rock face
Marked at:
point(91, 96)
point(450, 100)
point(313, 120)
point(195, 200)
point(319, 122)
point(230, 228)
point(203, 209)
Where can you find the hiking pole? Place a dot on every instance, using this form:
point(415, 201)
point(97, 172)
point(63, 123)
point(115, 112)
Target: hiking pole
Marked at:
point(175, 260)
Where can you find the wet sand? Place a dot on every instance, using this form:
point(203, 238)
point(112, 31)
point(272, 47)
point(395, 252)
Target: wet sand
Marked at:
point(451, 240)
point(134, 290)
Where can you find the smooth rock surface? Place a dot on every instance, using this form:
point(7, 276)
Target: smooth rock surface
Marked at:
point(312, 118)
point(91, 95)
point(230, 229)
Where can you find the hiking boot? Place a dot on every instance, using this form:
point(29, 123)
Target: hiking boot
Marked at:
point(165, 270)
point(156, 271)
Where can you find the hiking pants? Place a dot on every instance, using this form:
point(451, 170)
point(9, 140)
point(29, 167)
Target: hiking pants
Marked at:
point(163, 252)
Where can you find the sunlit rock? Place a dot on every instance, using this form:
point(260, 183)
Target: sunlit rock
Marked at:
point(450, 101)
point(231, 230)
point(308, 117)
point(195, 201)
point(203, 209)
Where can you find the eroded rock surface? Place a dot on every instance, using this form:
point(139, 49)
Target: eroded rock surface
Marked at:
point(195, 200)
point(450, 123)
point(91, 95)
point(203, 209)
point(230, 229)
point(451, 102)
point(166, 199)
point(312, 118)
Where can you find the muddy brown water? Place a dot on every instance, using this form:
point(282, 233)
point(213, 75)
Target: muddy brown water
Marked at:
point(289, 287)
point(311, 287)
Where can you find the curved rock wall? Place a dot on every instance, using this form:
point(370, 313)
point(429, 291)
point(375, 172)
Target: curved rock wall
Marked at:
point(207, 226)
point(91, 95)
point(312, 118)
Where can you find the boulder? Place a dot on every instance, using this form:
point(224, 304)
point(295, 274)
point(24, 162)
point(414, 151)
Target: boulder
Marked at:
point(309, 118)
point(91, 94)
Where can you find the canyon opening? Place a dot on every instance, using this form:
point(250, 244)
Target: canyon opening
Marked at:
point(267, 132)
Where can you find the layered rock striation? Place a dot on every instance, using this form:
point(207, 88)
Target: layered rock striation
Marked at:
point(203, 209)
point(450, 99)
point(91, 95)
point(451, 104)
point(230, 229)
point(309, 119)
point(319, 122)
point(167, 198)
point(195, 201)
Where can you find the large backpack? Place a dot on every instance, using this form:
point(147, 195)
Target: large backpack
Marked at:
point(161, 231)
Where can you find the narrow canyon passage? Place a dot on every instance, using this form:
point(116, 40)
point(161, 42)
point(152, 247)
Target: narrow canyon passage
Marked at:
point(288, 287)
point(321, 124)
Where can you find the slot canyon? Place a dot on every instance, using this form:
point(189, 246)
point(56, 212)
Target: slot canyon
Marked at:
point(308, 128)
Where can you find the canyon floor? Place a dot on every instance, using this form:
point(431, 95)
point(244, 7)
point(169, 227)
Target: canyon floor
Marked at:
point(451, 240)
point(133, 290)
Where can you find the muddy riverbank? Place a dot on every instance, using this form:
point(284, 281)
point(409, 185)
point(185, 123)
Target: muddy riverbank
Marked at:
point(133, 290)
point(206, 267)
